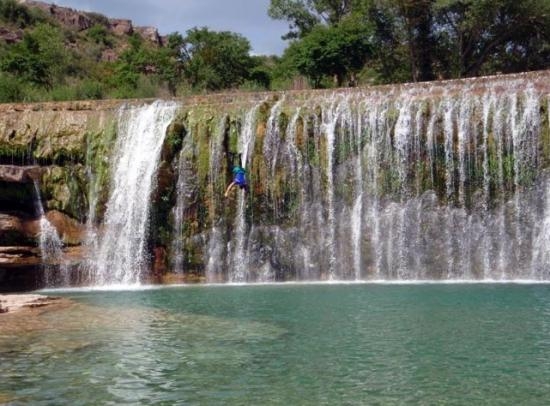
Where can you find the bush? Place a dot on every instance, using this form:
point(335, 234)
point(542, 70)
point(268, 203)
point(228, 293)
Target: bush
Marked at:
point(89, 89)
point(11, 90)
point(15, 13)
point(99, 34)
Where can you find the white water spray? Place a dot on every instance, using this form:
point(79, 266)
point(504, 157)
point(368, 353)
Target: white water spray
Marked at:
point(121, 258)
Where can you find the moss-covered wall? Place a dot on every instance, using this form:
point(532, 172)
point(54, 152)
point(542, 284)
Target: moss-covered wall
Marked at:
point(72, 142)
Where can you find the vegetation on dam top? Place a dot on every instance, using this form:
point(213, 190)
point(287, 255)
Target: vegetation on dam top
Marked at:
point(49, 52)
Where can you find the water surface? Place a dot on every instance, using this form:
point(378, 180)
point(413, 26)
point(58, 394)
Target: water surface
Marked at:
point(286, 344)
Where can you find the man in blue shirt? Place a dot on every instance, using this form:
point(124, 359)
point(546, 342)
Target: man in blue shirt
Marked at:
point(239, 179)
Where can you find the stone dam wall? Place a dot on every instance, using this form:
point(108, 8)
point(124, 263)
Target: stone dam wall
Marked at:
point(314, 149)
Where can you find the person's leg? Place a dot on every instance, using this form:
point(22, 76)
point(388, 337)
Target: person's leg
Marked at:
point(229, 188)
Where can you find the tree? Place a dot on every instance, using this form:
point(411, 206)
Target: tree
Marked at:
point(20, 15)
point(216, 60)
point(40, 58)
point(170, 61)
point(484, 36)
point(338, 51)
point(303, 15)
point(417, 23)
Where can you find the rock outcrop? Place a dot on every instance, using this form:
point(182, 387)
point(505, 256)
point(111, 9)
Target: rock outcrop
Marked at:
point(67, 16)
point(11, 36)
point(150, 34)
point(81, 20)
point(15, 303)
point(121, 26)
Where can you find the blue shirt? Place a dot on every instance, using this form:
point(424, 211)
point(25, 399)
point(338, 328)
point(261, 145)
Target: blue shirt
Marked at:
point(239, 175)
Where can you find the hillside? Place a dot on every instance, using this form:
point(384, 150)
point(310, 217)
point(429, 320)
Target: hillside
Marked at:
point(48, 52)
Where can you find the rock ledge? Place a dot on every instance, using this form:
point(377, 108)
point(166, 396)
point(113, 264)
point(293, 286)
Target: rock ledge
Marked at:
point(14, 303)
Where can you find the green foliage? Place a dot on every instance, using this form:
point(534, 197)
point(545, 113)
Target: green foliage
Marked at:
point(99, 34)
point(304, 15)
point(339, 51)
point(11, 90)
point(21, 16)
point(478, 37)
point(417, 40)
point(39, 59)
point(216, 60)
point(334, 43)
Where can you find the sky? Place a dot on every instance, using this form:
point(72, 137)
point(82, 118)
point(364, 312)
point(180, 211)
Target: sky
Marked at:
point(246, 17)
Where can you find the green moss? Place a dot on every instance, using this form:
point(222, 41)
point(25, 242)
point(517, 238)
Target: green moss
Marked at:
point(65, 189)
point(173, 141)
point(99, 146)
point(14, 153)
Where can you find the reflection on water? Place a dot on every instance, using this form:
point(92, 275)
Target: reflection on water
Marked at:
point(298, 344)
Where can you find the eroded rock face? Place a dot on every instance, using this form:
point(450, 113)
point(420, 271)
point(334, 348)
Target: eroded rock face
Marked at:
point(19, 174)
point(150, 34)
point(15, 230)
point(15, 257)
point(9, 36)
point(121, 26)
point(70, 231)
point(66, 16)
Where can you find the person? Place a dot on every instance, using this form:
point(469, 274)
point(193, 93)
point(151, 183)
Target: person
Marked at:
point(239, 179)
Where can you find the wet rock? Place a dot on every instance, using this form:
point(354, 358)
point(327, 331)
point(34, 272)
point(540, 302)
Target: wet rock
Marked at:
point(14, 257)
point(70, 231)
point(19, 174)
point(17, 230)
point(14, 303)
point(159, 264)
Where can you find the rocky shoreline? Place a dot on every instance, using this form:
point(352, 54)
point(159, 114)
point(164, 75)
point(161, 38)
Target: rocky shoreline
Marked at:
point(18, 303)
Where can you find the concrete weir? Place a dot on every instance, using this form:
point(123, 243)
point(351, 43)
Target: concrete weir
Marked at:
point(424, 181)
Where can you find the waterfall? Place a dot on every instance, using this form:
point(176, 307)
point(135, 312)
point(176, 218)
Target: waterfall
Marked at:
point(240, 259)
point(215, 249)
point(121, 256)
point(185, 189)
point(399, 185)
point(51, 247)
point(444, 181)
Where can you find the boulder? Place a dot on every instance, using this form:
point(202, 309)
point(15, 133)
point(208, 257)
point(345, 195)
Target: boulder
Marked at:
point(69, 230)
point(14, 303)
point(150, 34)
point(121, 27)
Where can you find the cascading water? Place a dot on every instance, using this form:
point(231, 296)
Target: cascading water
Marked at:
point(185, 188)
point(214, 260)
point(51, 247)
point(121, 256)
point(240, 258)
point(395, 185)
